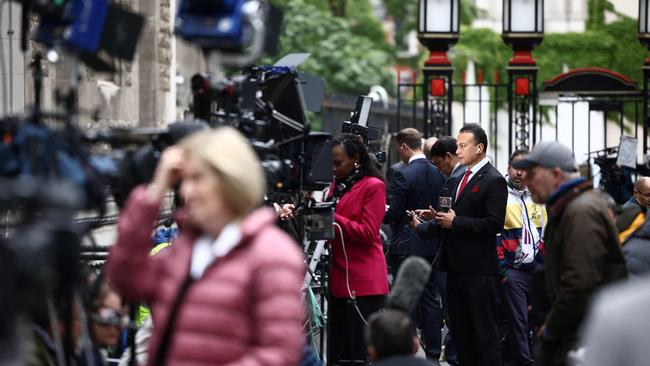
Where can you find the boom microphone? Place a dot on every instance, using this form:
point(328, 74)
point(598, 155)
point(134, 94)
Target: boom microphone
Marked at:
point(409, 284)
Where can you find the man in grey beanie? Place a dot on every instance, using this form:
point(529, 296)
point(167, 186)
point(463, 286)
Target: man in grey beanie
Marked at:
point(581, 245)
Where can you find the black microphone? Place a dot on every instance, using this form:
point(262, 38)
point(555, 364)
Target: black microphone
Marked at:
point(444, 199)
point(409, 283)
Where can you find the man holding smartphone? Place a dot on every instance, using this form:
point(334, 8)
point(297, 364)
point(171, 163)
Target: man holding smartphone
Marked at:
point(414, 186)
point(469, 230)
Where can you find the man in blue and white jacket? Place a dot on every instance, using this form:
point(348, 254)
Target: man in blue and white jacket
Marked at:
point(520, 247)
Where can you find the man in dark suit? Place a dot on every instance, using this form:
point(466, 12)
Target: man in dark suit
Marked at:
point(469, 257)
point(390, 172)
point(414, 186)
point(442, 154)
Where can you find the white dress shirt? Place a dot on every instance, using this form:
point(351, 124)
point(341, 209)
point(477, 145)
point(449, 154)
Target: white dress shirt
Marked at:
point(417, 156)
point(206, 250)
point(473, 170)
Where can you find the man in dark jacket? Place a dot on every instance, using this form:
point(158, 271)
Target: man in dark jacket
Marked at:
point(415, 186)
point(633, 212)
point(582, 249)
point(443, 155)
point(391, 340)
point(637, 251)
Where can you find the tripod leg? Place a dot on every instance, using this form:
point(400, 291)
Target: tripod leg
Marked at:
point(51, 313)
point(86, 344)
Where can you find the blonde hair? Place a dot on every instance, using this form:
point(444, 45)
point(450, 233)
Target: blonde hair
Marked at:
point(233, 160)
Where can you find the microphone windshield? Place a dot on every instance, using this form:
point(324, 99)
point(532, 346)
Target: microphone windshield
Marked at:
point(409, 283)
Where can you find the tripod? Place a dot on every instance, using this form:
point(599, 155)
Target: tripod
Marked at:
point(317, 294)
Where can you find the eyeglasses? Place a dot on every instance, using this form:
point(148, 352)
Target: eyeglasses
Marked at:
point(108, 316)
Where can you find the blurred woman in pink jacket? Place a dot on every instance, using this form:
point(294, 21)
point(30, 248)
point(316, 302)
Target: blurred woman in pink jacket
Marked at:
point(228, 290)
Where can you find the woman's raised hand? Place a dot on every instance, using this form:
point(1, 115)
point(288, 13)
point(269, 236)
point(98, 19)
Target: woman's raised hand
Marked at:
point(169, 171)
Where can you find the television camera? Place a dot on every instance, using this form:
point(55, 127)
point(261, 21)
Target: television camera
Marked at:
point(617, 166)
point(358, 125)
point(94, 30)
point(268, 105)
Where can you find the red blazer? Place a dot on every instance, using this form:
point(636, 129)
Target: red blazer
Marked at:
point(360, 213)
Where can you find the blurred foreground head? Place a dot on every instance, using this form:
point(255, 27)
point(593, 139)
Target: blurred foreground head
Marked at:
point(222, 178)
point(390, 333)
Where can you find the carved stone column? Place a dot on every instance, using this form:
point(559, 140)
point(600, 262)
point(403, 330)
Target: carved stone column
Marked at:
point(12, 65)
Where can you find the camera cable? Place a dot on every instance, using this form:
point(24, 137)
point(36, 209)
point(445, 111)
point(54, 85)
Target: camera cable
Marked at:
point(347, 275)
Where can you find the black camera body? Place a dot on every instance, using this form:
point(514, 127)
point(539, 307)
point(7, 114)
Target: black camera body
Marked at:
point(267, 106)
point(318, 221)
point(358, 125)
point(366, 132)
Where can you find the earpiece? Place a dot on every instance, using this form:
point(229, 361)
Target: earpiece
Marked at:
point(478, 151)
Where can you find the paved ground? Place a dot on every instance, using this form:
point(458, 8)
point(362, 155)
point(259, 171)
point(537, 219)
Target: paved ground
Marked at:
point(421, 355)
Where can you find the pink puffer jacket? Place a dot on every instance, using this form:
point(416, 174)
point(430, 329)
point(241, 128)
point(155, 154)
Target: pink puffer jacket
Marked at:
point(245, 310)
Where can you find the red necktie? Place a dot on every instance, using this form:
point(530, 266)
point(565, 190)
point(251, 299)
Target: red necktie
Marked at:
point(463, 183)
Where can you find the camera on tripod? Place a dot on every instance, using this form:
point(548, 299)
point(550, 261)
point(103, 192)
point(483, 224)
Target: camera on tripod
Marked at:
point(267, 104)
point(90, 29)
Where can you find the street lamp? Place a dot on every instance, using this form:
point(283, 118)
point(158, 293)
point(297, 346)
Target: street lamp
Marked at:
point(644, 22)
point(643, 35)
point(523, 30)
point(438, 30)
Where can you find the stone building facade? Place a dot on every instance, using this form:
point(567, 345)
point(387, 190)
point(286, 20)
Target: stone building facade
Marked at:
point(141, 93)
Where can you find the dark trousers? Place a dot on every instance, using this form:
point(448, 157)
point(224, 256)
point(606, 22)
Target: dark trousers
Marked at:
point(472, 312)
point(346, 342)
point(428, 313)
point(552, 352)
point(450, 349)
point(516, 297)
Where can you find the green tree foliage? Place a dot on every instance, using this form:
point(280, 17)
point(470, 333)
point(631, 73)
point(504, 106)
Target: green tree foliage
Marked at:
point(406, 12)
point(596, 16)
point(612, 46)
point(485, 48)
point(363, 22)
point(349, 53)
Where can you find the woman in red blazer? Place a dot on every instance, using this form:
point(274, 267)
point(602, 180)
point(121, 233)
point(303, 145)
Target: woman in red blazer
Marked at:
point(359, 278)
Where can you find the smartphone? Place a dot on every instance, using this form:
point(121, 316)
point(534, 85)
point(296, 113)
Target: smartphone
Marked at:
point(410, 214)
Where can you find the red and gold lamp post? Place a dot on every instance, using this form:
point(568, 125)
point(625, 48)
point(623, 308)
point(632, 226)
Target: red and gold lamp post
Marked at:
point(523, 30)
point(438, 30)
point(643, 35)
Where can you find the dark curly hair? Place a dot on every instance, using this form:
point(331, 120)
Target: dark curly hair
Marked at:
point(353, 145)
